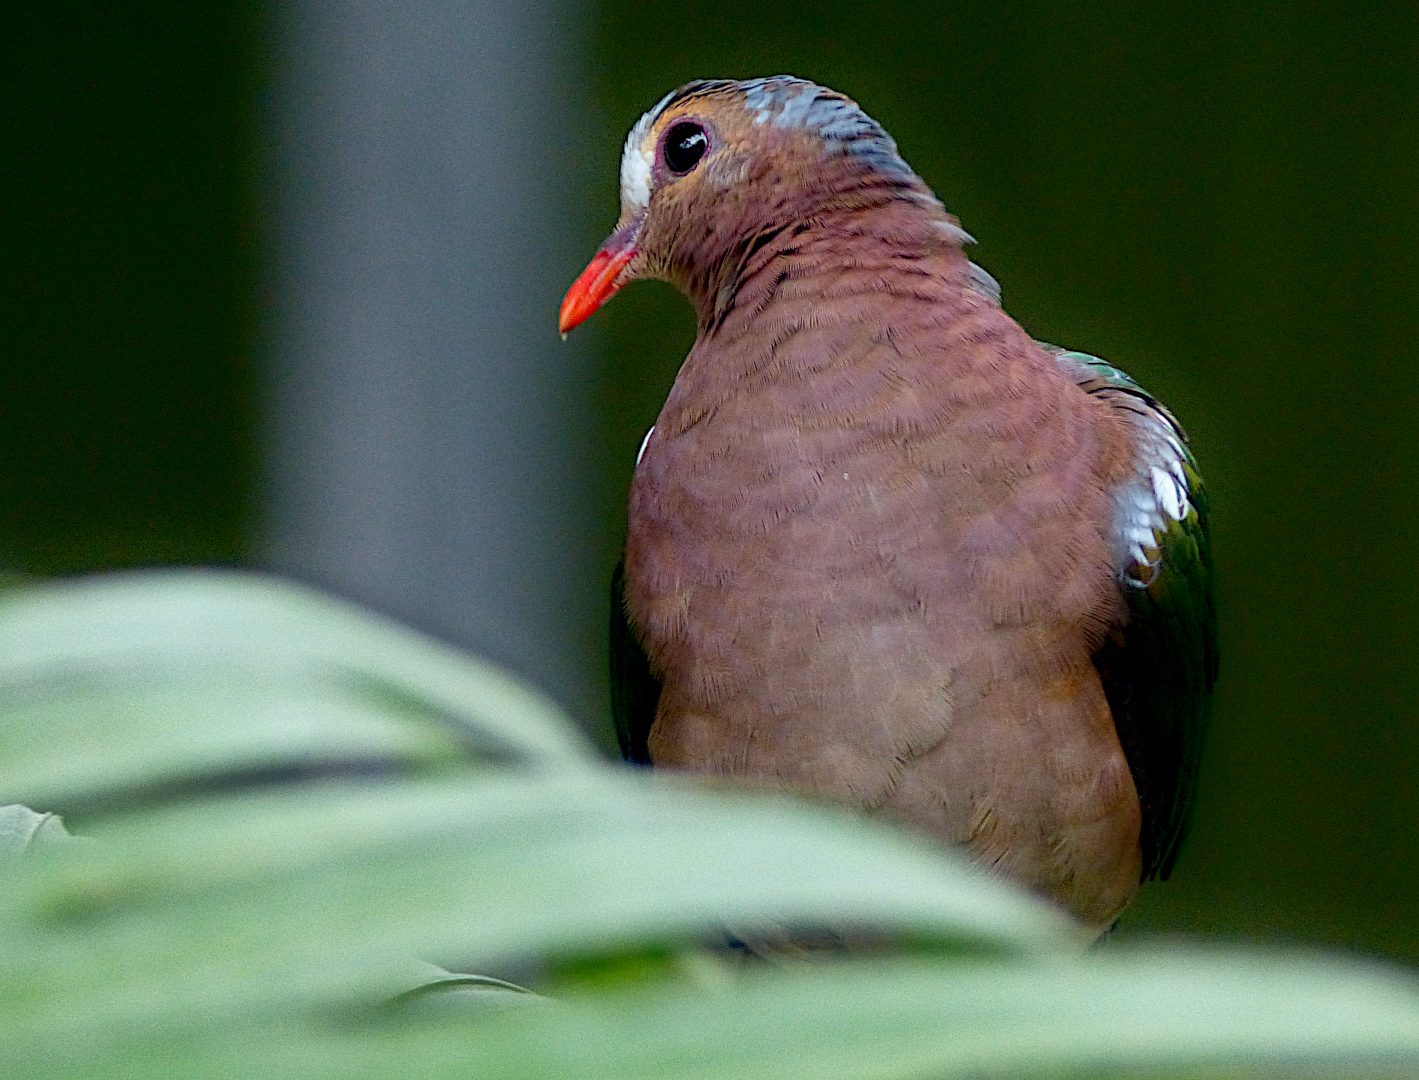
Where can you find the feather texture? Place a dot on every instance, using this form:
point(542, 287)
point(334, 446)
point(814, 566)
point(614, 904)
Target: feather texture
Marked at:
point(884, 546)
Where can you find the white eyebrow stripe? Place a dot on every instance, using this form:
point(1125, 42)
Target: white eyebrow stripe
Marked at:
point(636, 159)
point(635, 167)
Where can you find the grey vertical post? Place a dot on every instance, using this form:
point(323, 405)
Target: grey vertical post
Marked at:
point(429, 445)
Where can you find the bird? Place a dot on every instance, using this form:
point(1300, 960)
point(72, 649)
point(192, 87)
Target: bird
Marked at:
point(883, 546)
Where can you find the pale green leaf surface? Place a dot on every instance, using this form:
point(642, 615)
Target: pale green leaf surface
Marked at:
point(247, 905)
point(248, 932)
point(1065, 1018)
point(1180, 1015)
point(129, 683)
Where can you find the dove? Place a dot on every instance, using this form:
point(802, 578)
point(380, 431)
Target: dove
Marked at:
point(883, 546)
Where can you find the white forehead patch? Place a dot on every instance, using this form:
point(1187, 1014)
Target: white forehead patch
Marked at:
point(636, 159)
point(635, 168)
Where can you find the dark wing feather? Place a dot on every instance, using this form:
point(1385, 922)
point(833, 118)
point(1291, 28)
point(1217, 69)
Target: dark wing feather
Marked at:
point(1159, 669)
point(635, 693)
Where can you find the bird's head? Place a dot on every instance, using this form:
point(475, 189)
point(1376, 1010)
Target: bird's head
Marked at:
point(718, 166)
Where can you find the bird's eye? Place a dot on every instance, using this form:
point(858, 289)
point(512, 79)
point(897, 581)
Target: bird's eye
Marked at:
point(685, 144)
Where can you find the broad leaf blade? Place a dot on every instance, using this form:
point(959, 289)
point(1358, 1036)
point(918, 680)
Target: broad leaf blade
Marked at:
point(122, 688)
point(1200, 1017)
point(247, 905)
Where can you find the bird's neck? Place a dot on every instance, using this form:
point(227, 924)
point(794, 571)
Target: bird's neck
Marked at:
point(857, 250)
point(850, 246)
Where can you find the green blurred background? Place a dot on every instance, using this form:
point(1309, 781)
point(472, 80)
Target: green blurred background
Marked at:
point(1219, 198)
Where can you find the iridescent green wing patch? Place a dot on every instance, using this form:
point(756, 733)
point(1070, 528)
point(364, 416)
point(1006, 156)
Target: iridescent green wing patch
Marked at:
point(1159, 669)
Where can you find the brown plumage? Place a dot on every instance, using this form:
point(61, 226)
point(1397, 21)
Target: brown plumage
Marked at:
point(871, 548)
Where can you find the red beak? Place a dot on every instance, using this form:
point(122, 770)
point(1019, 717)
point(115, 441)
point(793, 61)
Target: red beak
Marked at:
point(596, 284)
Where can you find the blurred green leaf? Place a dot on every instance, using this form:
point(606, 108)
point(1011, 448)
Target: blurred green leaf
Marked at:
point(299, 809)
point(125, 688)
point(1189, 1015)
point(324, 895)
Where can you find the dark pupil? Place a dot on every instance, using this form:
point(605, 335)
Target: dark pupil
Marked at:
point(684, 146)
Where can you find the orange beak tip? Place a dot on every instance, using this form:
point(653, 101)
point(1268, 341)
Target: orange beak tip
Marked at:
point(593, 287)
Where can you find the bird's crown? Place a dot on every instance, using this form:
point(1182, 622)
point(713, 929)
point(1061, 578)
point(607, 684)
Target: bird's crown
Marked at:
point(778, 101)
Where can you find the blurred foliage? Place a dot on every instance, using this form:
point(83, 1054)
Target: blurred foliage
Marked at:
point(251, 907)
